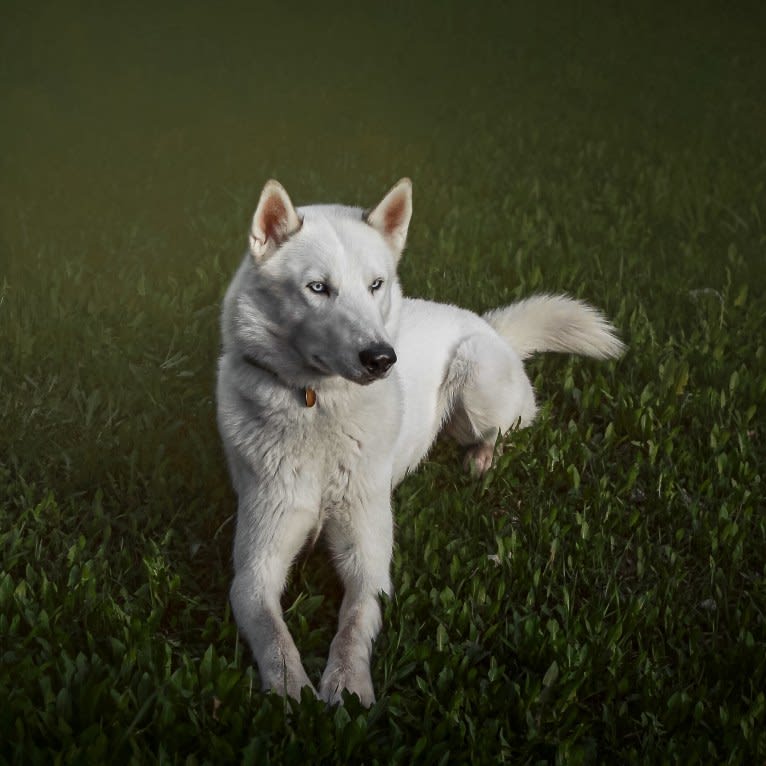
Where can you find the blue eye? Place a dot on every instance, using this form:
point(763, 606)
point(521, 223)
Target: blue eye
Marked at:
point(320, 288)
point(376, 285)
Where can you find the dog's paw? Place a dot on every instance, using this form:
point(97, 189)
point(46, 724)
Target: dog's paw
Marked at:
point(289, 684)
point(335, 681)
point(478, 458)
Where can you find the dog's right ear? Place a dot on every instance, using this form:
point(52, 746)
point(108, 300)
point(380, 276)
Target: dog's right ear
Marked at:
point(274, 221)
point(391, 216)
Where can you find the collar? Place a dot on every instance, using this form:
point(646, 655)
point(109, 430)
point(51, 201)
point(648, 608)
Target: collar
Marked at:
point(309, 394)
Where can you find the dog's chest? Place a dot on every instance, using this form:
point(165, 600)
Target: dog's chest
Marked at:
point(343, 453)
point(333, 456)
point(355, 445)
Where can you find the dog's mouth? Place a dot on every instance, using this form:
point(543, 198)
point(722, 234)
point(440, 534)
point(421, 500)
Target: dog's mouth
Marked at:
point(361, 377)
point(317, 365)
point(365, 379)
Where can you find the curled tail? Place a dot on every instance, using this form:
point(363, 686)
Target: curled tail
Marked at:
point(555, 323)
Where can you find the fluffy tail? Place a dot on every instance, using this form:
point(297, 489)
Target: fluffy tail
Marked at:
point(555, 323)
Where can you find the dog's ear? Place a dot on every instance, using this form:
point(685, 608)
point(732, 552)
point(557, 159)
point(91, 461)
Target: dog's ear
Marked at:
point(274, 221)
point(391, 216)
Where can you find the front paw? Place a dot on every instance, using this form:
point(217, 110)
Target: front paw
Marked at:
point(357, 681)
point(288, 682)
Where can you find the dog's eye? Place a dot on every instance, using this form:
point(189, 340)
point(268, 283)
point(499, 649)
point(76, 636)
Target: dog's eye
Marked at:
point(320, 288)
point(376, 285)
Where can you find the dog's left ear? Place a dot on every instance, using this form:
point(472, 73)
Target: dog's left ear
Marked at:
point(391, 216)
point(274, 221)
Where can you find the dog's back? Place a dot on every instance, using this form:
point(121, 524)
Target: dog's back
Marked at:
point(463, 373)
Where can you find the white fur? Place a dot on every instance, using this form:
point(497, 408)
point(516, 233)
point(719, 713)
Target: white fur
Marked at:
point(555, 323)
point(299, 470)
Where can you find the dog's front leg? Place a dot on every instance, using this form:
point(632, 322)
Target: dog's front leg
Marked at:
point(268, 537)
point(361, 544)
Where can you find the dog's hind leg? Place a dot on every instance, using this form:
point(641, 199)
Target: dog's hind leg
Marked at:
point(492, 395)
point(266, 541)
point(361, 546)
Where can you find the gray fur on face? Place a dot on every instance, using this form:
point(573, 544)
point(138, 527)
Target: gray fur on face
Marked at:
point(304, 337)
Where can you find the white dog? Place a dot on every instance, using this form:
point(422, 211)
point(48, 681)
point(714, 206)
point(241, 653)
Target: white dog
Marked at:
point(332, 386)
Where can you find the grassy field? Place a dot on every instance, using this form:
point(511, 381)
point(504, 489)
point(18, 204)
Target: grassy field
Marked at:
point(600, 597)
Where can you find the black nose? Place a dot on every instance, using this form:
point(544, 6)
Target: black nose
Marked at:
point(377, 358)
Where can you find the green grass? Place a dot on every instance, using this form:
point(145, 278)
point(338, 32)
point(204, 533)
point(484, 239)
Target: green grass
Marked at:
point(600, 597)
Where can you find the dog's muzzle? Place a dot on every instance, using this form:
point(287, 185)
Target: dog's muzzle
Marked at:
point(377, 359)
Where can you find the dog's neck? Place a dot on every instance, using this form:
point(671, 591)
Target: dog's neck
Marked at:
point(309, 394)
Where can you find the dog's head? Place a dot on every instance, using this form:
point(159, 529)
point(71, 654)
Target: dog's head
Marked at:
point(321, 297)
